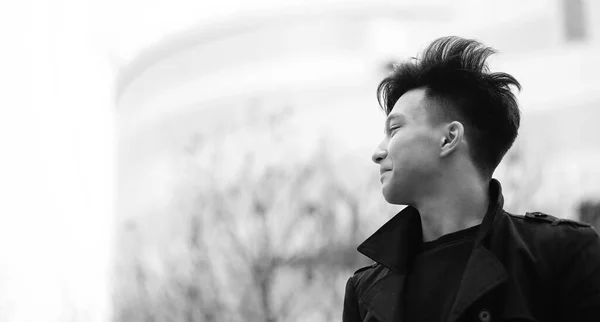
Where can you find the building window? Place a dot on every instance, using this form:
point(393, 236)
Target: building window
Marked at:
point(589, 212)
point(574, 18)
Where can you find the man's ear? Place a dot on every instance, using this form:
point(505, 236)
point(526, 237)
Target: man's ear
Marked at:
point(453, 136)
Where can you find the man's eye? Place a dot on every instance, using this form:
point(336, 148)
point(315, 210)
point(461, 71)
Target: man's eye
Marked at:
point(393, 130)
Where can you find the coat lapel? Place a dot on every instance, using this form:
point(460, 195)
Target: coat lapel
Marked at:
point(483, 273)
point(384, 300)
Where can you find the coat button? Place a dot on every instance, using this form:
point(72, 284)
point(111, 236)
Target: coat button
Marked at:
point(485, 316)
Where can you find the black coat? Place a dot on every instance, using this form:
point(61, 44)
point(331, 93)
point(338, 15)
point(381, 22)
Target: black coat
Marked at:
point(522, 268)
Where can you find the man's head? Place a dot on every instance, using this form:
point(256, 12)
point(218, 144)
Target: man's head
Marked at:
point(446, 112)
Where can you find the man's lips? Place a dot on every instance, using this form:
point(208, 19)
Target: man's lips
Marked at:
point(383, 171)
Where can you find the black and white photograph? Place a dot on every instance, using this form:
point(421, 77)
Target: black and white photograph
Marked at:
point(300, 161)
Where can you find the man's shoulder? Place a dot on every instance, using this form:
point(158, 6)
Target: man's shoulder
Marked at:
point(370, 272)
point(540, 220)
point(365, 269)
point(545, 233)
point(539, 225)
point(368, 275)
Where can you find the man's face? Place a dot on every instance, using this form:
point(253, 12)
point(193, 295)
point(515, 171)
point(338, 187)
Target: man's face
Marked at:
point(413, 147)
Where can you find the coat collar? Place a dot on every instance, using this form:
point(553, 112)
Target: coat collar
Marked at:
point(394, 246)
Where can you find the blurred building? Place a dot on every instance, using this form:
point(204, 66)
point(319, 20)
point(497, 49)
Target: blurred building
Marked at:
point(325, 62)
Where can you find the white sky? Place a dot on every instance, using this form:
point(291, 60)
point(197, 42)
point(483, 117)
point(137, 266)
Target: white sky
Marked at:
point(56, 173)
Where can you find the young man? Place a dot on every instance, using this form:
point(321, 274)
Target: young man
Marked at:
point(453, 254)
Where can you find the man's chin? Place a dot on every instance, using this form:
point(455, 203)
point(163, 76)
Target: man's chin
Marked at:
point(392, 198)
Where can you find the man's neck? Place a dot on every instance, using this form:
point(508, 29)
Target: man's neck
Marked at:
point(452, 207)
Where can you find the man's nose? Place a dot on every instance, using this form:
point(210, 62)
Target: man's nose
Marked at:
point(379, 154)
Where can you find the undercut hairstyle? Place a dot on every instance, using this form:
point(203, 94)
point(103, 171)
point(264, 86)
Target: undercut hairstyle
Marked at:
point(454, 73)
